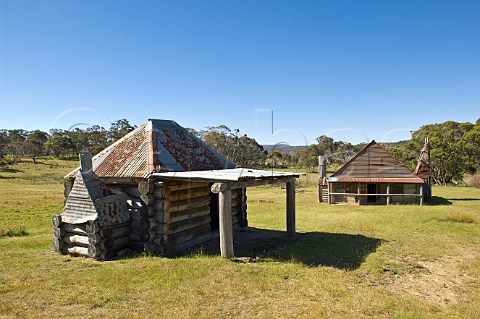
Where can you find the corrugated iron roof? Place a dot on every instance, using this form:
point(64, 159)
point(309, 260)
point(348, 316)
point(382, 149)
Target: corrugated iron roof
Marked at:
point(156, 146)
point(228, 175)
point(374, 162)
point(376, 180)
point(80, 204)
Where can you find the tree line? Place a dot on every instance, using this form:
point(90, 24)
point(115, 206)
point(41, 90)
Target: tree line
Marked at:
point(455, 147)
point(18, 143)
point(455, 152)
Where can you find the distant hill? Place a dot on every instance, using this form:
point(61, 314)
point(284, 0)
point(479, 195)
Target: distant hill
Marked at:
point(392, 144)
point(284, 148)
point(293, 149)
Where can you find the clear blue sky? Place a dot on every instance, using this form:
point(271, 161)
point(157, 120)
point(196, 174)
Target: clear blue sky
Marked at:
point(353, 70)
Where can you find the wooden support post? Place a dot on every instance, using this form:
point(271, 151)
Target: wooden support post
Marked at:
point(329, 191)
point(291, 208)
point(225, 222)
point(319, 190)
point(388, 194)
point(322, 173)
point(358, 193)
point(421, 195)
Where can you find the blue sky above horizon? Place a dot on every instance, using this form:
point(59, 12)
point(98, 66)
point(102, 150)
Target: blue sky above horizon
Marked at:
point(352, 70)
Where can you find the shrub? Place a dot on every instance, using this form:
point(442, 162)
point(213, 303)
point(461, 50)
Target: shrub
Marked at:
point(476, 180)
point(460, 218)
point(20, 231)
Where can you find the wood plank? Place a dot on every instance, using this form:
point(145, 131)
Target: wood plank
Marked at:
point(174, 206)
point(251, 183)
point(183, 236)
point(75, 250)
point(187, 193)
point(188, 224)
point(189, 213)
point(79, 229)
point(76, 240)
point(185, 185)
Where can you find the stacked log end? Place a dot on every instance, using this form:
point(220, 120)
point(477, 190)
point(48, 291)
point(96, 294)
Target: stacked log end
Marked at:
point(90, 239)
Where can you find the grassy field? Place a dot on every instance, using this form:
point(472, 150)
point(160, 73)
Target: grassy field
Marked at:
point(348, 262)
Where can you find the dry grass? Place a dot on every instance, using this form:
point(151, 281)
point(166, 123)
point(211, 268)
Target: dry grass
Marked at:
point(460, 218)
point(350, 262)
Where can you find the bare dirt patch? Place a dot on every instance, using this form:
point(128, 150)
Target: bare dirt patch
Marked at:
point(438, 282)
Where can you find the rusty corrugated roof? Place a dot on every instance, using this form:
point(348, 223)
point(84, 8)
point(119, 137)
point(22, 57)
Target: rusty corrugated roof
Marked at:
point(377, 180)
point(373, 162)
point(156, 146)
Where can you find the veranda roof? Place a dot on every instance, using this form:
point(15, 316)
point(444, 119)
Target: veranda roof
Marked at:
point(227, 175)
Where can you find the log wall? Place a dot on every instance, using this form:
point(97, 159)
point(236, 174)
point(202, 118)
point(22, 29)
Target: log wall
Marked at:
point(165, 217)
point(89, 239)
point(181, 215)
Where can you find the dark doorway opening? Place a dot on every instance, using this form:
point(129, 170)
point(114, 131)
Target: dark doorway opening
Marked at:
point(214, 217)
point(371, 189)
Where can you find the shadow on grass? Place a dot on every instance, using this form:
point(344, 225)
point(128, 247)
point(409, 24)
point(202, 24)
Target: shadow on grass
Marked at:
point(342, 251)
point(465, 199)
point(9, 170)
point(439, 201)
point(313, 249)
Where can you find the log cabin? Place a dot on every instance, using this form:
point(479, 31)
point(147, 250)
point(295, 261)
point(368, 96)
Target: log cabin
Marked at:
point(159, 189)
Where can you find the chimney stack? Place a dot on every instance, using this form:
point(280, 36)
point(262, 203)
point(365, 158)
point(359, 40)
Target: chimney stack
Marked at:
point(322, 167)
point(86, 165)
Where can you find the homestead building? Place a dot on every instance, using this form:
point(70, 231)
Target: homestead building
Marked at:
point(374, 176)
point(158, 189)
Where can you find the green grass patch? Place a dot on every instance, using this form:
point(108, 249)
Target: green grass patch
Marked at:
point(348, 261)
point(13, 232)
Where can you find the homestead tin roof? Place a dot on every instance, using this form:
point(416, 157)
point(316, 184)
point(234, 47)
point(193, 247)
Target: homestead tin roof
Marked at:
point(156, 146)
point(373, 164)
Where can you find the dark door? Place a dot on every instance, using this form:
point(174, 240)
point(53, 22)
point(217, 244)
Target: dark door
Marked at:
point(214, 211)
point(371, 189)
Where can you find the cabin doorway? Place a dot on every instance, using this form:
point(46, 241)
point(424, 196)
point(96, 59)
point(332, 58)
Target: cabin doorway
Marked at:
point(371, 189)
point(214, 216)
